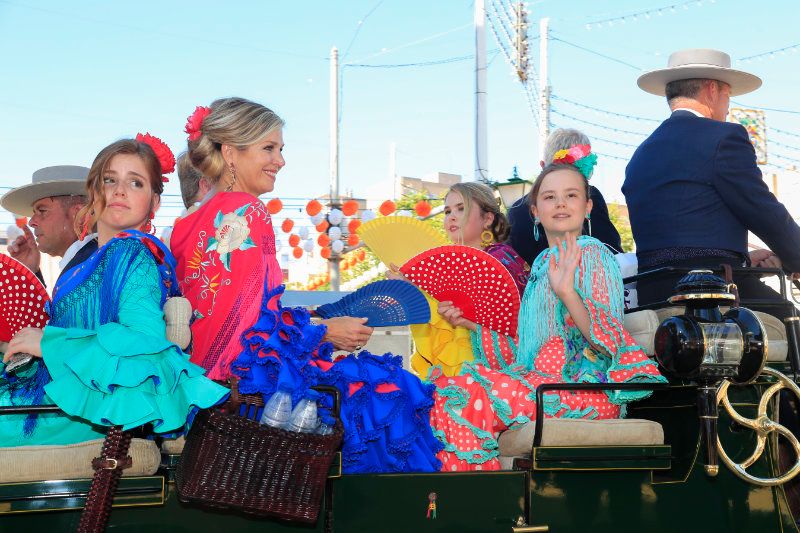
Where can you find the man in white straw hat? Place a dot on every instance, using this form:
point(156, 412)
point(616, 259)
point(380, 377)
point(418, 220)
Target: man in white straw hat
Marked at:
point(51, 200)
point(693, 188)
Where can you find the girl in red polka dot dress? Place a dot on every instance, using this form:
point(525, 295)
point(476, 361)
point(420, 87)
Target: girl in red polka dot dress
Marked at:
point(570, 330)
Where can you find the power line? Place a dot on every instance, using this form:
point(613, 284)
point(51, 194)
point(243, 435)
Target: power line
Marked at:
point(603, 126)
point(794, 48)
point(598, 54)
point(604, 111)
point(784, 132)
point(612, 156)
point(771, 141)
point(412, 43)
point(792, 159)
point(618, 143)
point(782, 167)
point(605, 140)
point(358, 28)
point(790, 111)
point(645, 14)
point(419, 64)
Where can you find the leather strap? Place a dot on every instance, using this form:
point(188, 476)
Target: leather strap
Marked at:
point(732, 288)
point(234, 401)
point(108, 469)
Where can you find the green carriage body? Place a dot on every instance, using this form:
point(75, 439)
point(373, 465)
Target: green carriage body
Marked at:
point(654, 488)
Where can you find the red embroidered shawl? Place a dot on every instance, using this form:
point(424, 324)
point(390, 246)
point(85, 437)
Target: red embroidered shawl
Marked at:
point(225, 253)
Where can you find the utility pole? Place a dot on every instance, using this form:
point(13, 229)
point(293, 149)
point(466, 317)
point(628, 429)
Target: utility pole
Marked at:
point(333, 262)
point(521, 41)
point(396, 190)
point(544, 87)
point(481, 139)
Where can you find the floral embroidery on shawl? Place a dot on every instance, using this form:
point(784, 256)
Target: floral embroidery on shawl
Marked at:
point(232, 233)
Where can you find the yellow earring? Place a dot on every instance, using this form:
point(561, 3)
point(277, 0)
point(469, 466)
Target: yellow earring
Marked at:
point(487, 238)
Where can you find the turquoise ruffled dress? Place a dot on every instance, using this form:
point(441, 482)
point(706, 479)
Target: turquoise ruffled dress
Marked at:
point(106, 357)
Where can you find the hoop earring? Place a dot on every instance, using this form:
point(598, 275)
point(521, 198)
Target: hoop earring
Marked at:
point(536, 228)
point(487, 238)
point(229, 188)
point(589, 221)
point(85, 226)
point(149, 227)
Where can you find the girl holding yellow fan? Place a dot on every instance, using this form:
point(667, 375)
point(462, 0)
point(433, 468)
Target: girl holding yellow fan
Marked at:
point(471, 218)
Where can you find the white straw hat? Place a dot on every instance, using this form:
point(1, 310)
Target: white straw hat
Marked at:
point(700, 63)
point(63, 180)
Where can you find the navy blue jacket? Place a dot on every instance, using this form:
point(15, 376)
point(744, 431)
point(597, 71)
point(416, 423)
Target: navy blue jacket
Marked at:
point(695, 183)
point(83, 254)
point(521, 220)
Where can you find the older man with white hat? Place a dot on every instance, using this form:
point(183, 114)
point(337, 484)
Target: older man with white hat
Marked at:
point(693, 187)
point(51, 200)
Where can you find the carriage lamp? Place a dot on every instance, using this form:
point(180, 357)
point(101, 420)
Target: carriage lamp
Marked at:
point(706, 346)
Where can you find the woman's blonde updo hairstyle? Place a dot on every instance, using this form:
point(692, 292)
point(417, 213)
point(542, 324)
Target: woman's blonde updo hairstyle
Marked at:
point(235, 121)
point(478, 194)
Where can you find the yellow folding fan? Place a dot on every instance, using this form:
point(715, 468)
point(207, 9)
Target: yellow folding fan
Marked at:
point(396, 239)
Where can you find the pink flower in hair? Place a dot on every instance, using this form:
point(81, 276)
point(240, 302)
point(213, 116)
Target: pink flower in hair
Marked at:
point(579, 151)
point(195, 122)
point(164, 155)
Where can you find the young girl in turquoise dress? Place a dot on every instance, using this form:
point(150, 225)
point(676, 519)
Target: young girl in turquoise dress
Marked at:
point(104, 357)
point(570, 330)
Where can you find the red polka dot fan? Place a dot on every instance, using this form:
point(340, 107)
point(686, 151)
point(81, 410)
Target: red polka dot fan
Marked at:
point(476, 282)
point(22, 298)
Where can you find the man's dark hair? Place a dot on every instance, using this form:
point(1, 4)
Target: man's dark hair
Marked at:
point(686, 88)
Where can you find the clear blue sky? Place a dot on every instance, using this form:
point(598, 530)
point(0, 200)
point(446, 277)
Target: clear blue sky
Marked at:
point(78, 75)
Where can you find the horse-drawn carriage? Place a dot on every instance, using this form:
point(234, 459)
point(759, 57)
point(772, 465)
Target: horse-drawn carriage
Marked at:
point(655, 470)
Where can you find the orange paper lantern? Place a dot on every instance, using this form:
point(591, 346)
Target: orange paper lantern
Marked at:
point(423, 208)
point(387, 208)
point(353, 225)
point(294, 240)
point(325, 253)
point(287, 225)
point(361, 254)
point(322, 226)
point(323, 240)
point(350, 208)
point(313, 208)
point(21, 222)
point(274, 206)
point(343, 266)
point(297, 252)
point(353, 240)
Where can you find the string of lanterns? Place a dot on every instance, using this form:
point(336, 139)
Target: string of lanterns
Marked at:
point(337, 229)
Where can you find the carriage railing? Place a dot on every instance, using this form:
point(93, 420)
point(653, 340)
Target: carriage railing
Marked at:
point(792, 324)
point(752, 271)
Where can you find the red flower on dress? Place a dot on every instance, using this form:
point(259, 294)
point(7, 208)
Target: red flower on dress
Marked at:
point(164, 155)
point(195, 122)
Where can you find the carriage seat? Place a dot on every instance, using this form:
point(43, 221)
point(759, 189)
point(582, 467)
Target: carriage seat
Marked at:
point(71, 461)
point(570, 432)
point(642, 326)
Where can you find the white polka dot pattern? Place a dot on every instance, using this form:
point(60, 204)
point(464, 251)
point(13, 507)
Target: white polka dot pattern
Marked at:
point(22, 298)
point(476, 282)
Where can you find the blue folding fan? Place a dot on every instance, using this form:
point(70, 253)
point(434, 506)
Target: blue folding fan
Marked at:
point(382, 303)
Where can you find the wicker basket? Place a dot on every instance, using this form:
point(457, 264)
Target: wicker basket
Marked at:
point(233, 462)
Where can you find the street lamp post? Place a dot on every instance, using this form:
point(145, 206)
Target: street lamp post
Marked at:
point(512, 189)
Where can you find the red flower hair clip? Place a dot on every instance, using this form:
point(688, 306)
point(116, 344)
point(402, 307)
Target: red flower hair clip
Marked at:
point(164, 155)
point(195, 122)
